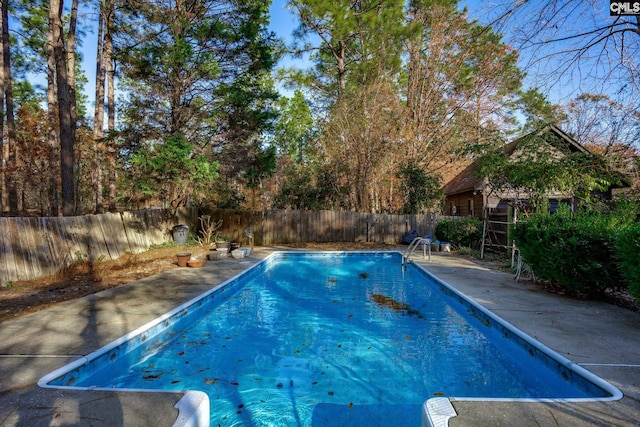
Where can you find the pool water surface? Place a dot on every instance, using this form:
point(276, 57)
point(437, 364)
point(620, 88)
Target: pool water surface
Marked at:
point(333, 339)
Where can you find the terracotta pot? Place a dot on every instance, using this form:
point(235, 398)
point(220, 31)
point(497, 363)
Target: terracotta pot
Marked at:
point(195, 263)
point(183, 258)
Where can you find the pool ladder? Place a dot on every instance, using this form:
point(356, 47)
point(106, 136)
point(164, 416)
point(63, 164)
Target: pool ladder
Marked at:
point(426, 248)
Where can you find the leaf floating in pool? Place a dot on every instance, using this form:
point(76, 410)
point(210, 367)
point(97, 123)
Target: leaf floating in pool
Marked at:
point(350, 316)
point(398, 306)
point(233, 383)
point(407, 337)
point(241, 405)
point(364, 275)
point(210, 380)
point(152, 377)
point(438, 393)
point(314, 383)
point(175, 381)
point(350, 405)
point(279, 385)
point(330, 393)
point(181, 353)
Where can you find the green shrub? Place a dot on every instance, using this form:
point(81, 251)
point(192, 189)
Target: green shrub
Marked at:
point(460, 232)
point(628, 256)
point(575, 251)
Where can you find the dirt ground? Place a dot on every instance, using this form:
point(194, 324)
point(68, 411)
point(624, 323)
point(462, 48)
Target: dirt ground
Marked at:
point(81, 279)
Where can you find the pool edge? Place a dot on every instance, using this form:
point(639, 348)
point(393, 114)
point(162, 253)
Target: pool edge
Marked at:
point(616, 393)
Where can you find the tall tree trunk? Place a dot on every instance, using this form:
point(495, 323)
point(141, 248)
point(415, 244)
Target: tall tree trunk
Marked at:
point(4, 145)
point(111, 104)
point(98, 118)
point(7, 81)
point(341, 68)
point(65, 115)
point(71, 61)
point(71, 83)
point(55, 182)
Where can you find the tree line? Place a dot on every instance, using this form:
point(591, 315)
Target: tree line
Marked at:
point(187, 109)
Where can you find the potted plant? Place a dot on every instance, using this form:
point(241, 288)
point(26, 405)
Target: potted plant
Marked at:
point(222, 244)
point(208, 230)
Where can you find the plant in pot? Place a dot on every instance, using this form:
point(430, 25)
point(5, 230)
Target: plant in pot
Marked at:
point(222, 244)
point(209, 236)
point(209, 230)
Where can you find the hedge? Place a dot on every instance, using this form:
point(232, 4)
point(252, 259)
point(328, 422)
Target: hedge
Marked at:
point(628, 256)
point(578, 251)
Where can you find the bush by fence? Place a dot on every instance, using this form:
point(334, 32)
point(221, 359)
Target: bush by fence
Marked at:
point(461, 232)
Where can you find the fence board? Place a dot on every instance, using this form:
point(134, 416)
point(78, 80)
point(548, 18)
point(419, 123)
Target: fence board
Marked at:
point(28, 237)
point(115, 237)
point(8, 267)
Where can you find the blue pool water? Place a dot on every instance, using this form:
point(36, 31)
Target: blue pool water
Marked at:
point(332, 339)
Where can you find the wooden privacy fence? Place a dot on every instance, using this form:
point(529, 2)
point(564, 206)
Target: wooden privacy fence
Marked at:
point(271, 227)
point(31, 248)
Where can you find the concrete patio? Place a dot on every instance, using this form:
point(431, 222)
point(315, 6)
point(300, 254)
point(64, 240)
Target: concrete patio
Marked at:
point(602, 338)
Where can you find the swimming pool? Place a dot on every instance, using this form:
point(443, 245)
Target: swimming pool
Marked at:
point(328, 338)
